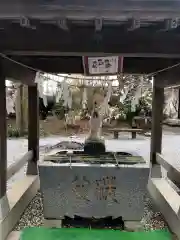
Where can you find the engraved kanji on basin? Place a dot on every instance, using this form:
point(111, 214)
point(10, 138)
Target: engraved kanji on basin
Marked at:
point(113, 184)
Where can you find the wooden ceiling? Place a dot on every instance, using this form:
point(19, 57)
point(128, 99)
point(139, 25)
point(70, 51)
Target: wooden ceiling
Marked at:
point(52, 35)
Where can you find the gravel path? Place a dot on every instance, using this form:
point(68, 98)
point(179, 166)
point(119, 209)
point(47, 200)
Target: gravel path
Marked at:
point(33, 216)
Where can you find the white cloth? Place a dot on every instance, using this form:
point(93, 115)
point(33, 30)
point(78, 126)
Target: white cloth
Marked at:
point(58, 94)
point(66, 95)
point(104, 110)
point(84, 99)
point(137, 95)
point(109, 93)
point(39, 79)
point(69, 102)
point(9, 105)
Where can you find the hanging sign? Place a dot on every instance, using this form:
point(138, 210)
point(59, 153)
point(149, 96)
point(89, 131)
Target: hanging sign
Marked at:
point(103, 65)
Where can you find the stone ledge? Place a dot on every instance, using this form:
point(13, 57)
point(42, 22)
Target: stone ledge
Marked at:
point(19, 196)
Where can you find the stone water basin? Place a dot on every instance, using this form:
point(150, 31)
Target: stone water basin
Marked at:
point(112, 184)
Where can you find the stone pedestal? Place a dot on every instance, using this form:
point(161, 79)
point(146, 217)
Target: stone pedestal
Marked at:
point(93, 190)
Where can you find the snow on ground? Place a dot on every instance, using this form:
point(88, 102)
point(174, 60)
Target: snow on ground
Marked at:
point(17, 147)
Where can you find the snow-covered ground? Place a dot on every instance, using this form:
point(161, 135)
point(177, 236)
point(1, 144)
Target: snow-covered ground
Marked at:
point(17, 147)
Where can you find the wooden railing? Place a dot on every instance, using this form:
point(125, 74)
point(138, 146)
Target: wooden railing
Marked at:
point(165, 191)
point(173, 172)
point(18, 164)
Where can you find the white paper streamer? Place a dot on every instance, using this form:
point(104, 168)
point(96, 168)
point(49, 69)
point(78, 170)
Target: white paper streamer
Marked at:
point(58, 94)
point(69, 102)
point(109, 93)
point(84, 99)
point(137, 95)
point(105, 107)
point(9, 105)
point(66, 95)
point(70, 118)
point(15, 96)
point(40, 81)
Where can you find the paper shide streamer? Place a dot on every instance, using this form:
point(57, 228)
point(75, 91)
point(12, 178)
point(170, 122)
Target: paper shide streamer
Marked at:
point(105, 107)
point(39, 79)
point(66, 95)
point(84, 99)
point(9, 104)
point(137, 95)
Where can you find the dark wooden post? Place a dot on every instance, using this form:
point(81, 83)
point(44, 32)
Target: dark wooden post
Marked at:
point(4, 205)
point(3, 133)
point(33, 128)
point(179, 103)
point(157, 120)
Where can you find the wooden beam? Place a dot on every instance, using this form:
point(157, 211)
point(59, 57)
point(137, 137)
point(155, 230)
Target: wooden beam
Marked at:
point(173, 172)
point(3, 133)
point(157, 119)
point(18, 164)
point(17, 72)
point(33, 128)
point(88, 9)
point(74, 64)
point(169, 77)
point(135, 24)
point(144, 55)
point(169, 81)
point(114, 40)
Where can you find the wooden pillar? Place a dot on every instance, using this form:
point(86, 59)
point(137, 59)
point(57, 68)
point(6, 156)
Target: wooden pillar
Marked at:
point(4, 206)
point(179, 103)
point(22, 108)
point(3, 140)
point(19, 109)
point(33, 128)
point(25, 107)
point(157, 120)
